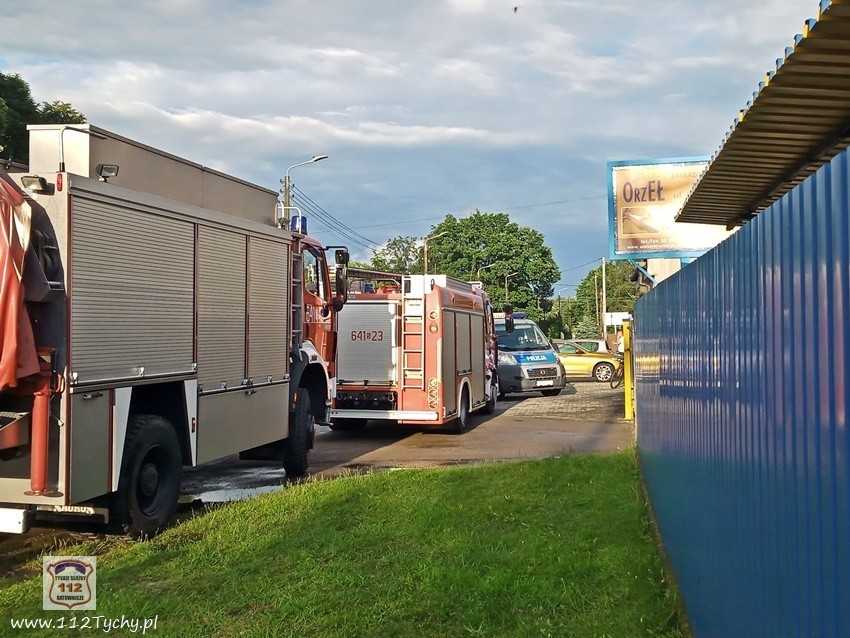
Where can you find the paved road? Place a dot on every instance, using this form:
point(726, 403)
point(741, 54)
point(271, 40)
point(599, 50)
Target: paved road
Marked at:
point(586, 417)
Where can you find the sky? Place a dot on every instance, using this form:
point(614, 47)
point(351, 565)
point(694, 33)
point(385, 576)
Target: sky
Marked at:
point(424, 108)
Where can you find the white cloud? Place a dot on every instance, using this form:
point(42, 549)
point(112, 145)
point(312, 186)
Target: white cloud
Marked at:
point(424, 107)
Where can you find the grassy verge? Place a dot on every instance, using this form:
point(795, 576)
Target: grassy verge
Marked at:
point(558, 547)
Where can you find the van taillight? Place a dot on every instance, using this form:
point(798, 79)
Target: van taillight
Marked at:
point(59, 181)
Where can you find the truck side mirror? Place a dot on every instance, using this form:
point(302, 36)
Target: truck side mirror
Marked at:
point(341, 287)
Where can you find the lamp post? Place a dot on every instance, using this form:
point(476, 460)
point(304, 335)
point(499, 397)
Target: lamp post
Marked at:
point(508, 276)
point(287, 184)
point(425, 250)
point(560, 318)
point(478, 274)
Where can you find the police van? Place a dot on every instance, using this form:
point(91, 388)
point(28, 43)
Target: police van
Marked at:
point(527, 360)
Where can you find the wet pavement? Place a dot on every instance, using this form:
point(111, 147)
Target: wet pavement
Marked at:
point(586, 418)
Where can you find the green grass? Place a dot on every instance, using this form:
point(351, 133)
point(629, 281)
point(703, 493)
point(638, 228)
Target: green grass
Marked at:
point(558, 547)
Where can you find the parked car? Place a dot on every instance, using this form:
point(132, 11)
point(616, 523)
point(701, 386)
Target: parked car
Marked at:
point(527, 360)
point(592, 345)
point(581, 363)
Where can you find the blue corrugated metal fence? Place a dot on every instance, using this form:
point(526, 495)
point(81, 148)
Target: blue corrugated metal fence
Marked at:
point(741, 388)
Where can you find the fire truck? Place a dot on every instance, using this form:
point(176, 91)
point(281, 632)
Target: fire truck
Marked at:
point(414, 349)
point(162, 316)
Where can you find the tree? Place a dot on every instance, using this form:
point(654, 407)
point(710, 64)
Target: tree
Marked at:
point(57, 112)
point(17, 109)
point(620, 293)
point(512, 261)
point(401, 255)
point(586, 307)
point(586, 328)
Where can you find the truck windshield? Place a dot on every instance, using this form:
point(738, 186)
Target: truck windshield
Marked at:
point(524, 337)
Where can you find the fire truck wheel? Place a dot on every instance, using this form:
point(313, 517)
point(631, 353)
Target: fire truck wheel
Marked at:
point(462, 421)
point(297, 445)
point(344, 425)
point(149, 482)
point(490, 406)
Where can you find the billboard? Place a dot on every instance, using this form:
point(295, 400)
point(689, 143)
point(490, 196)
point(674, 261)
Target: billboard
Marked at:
point(644, 197)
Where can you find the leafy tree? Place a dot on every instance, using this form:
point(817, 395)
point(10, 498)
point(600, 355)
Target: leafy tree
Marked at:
point(586, 327)
point(57, 112)
point(20, 110)
point(401, 255)
point(17, 109)
point(585, 308)
point(511, 261)
point(621, 293)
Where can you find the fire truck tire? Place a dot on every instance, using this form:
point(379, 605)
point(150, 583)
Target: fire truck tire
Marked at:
point(149, 482)
point(347, 425)
point(462, 421)
point(297, 446)
point(490, 406)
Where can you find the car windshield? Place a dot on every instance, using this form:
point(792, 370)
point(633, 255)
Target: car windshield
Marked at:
point(524, 337)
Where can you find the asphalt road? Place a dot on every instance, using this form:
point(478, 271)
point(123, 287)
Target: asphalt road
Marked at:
point(587, 417)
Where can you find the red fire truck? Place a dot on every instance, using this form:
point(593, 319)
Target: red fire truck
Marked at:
point(153, 319)
point(414, 349)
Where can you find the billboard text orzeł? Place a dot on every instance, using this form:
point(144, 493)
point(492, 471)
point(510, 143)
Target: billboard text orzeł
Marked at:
point(644, 197)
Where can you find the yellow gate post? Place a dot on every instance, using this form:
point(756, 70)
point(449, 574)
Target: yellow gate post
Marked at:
point(628, 381)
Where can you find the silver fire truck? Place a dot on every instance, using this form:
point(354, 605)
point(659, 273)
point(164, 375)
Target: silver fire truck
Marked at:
point(157, 314)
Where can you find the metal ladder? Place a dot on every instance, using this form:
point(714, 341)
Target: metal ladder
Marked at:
point(412, 338)
point(297, 299)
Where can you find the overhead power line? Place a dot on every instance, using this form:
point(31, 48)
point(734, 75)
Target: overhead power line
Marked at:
point(332, 224)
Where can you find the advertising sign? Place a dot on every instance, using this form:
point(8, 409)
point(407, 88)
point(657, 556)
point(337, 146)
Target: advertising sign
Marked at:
point(644, 197)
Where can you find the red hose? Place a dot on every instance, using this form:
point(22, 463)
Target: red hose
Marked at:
point(40, 427)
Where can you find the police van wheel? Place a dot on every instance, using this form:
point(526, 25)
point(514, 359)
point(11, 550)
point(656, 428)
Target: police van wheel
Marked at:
point(296, 447)
point(462, 421)
point(149, 482)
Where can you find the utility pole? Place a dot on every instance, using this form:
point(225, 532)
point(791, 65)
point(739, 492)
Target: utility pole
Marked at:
point(508, 276)
point(287, 183)
point(604, 302)
point(596, 295)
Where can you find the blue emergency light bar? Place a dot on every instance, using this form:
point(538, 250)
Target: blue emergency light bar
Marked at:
point(298, 224)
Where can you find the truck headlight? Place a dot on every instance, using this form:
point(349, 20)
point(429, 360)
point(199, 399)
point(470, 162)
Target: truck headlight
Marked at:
point(507, 359)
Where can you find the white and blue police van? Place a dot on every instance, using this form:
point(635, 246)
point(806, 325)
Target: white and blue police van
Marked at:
point(527, 359)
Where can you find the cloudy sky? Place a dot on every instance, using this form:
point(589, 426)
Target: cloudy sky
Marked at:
point(425, 108)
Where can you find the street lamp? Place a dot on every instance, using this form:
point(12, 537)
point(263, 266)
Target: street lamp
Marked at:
point(425, 250)
point(508, 276)
point(287, 184)
point(560, 319)
point(478, 274)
